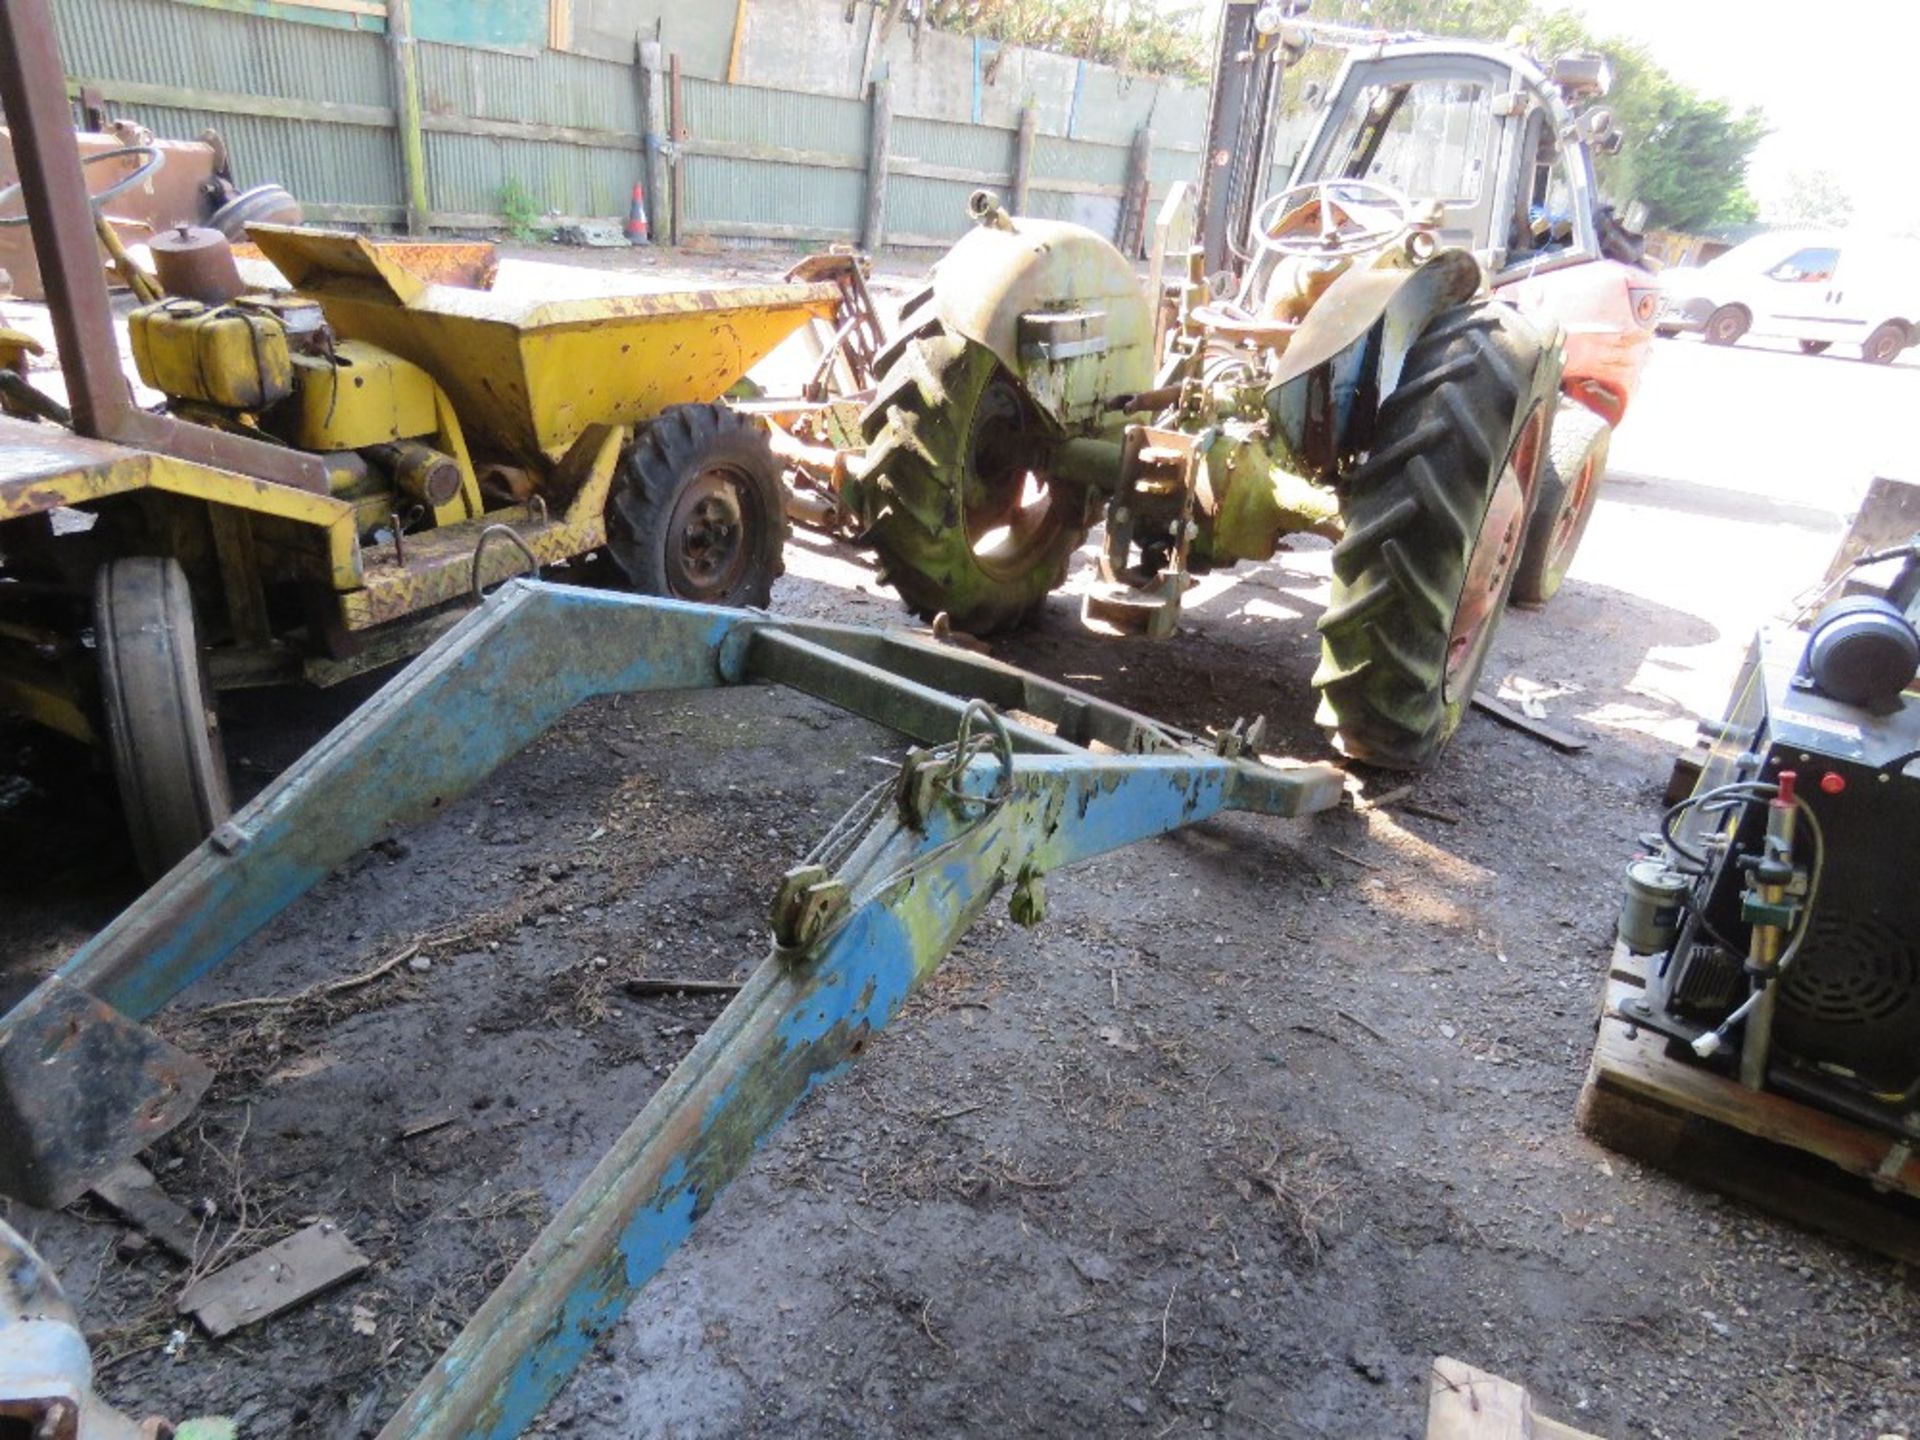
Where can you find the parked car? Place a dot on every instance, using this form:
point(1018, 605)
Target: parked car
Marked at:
point(1816, 287)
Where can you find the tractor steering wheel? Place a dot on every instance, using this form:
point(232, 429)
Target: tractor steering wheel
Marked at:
point(1341, 233)
point(152, 159)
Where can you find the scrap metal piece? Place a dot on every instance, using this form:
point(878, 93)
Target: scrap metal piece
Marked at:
point(46, 1374)
point(83, 1088)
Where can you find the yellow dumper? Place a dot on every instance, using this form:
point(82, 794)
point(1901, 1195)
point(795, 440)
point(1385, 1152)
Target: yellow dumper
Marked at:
point(341, 461)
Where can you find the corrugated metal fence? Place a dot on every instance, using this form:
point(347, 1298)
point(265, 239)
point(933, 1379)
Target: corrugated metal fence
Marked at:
point(314, 108)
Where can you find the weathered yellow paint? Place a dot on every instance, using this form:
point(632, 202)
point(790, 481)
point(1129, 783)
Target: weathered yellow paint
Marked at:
point(43, 468)
point(44, 698)
point(230, 358)
point(439, 563)
point(361, 395)
point(530, 376)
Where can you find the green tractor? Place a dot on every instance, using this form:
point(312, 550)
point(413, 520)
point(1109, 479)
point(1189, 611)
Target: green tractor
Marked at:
point(1350, 374)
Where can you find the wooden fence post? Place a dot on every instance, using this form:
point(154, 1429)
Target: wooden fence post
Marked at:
point(1023, 160)
point(647, 75)
point(412, 140)
point(1130, 228)
point(880, 136)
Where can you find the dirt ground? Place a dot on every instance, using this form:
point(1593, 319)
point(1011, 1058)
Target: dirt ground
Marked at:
point(1262, 1118)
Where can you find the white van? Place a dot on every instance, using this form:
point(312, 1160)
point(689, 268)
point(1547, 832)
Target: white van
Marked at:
point(1817, 287)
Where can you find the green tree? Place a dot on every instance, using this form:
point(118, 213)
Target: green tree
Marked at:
point(1813, 198)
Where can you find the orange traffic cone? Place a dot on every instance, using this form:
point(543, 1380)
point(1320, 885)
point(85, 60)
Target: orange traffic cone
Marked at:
point(637, 218)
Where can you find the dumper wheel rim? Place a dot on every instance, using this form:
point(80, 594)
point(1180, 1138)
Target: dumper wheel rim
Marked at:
point(956, 494)
point(1434, 519)
point(163, 734)
point(1569, 489)
point(697, 511)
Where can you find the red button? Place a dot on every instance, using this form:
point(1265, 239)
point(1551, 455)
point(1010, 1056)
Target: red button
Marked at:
point(1832, 783)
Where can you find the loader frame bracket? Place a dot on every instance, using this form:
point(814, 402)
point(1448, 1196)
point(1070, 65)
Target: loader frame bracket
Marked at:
point(1022, 778)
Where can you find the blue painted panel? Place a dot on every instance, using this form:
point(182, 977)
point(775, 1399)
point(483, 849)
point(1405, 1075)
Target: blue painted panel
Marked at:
point(496, 24)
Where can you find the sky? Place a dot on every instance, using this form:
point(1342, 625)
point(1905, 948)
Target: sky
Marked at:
point(1836, 80)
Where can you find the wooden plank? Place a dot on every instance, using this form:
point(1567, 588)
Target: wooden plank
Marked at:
point(131, 1192)
point(774, 155)
point(1520, 720)
point(445, 124)
point(1816, 1169)
point(1023, 159)
point(273, 1280)
point(926, 170)
point(1468, 1404)
point(756, 230)
point(219, 102)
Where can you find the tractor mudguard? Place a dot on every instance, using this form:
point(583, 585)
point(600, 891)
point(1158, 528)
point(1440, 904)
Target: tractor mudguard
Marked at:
point(1059, 306)
point(1326, 368)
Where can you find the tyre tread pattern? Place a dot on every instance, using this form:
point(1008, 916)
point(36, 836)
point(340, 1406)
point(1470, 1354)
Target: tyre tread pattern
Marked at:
point(680, 443)
point(1412, 510)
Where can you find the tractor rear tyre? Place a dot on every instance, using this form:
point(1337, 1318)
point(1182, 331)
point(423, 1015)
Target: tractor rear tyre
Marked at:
point(1436, 520)
point(1726, 325)
point(697, 512)
point(959, 504)
point(1569, 488)
point(1884, 345)
point(162, 732)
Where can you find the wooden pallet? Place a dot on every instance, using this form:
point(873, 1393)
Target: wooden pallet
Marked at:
point(1814, 1168)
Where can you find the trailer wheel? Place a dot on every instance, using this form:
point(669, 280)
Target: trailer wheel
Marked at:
point(955, 491)
point(697, 512)
point(1436, 520)
point(162, 732)
point(1884, 345)
point(1726, 325)
point(1569, 488)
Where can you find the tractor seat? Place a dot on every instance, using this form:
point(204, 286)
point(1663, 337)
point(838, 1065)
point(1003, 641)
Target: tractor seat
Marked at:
point(1230, 322)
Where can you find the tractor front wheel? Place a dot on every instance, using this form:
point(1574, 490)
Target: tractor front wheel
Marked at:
point(1569, 487)
point(162, 732)
point(958, 499)
point(1436, 521)
point(697, 511)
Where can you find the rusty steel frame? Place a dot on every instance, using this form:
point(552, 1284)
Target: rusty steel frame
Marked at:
point(1032, 776)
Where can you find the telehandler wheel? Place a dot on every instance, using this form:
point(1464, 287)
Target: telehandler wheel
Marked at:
point(162, 731)
point(964, 516)
point(1569, 488)
point(697, 512)
point(1436, 518)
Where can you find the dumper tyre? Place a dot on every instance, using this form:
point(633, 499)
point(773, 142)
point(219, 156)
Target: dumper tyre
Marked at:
point(959, 503)
point(163, 734)
point(697, 512)
point(1435, 520)
point(1569, 489)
